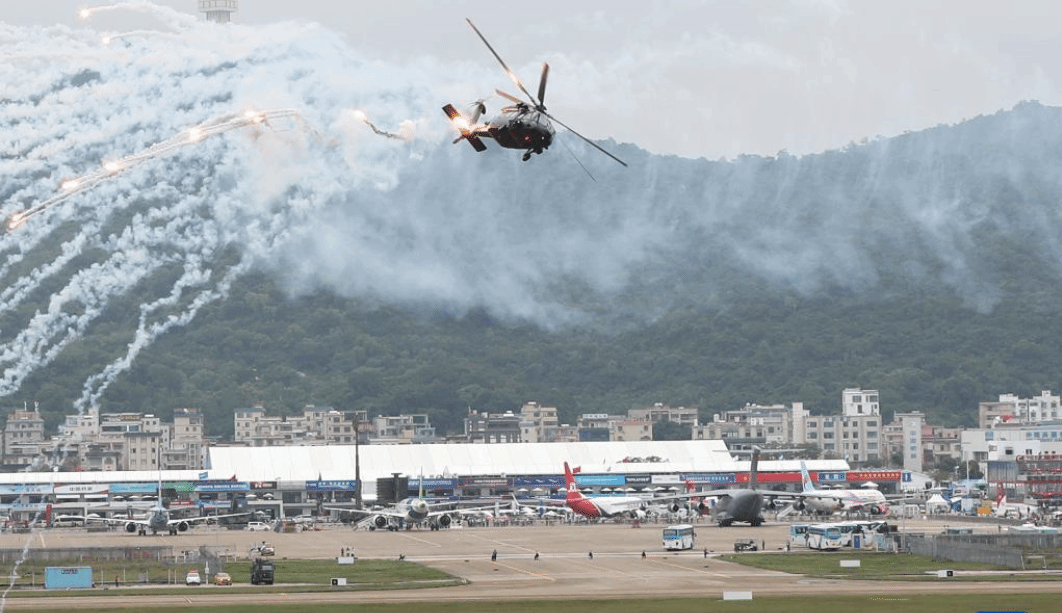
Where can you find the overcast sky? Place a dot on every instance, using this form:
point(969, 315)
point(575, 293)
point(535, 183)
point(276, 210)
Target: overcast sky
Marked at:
point(713, 79)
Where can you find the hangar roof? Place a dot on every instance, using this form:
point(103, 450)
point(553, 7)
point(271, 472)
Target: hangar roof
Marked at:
point(335, 462)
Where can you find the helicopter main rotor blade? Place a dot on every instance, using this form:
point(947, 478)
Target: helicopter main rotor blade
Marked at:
point(509, 97)
point(508, 71)
point(592, 143)
point(542, 86)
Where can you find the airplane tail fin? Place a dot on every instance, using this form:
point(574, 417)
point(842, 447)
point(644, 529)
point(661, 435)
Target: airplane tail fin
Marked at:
point(569, 483)
point(464, 127)
point(805, 478)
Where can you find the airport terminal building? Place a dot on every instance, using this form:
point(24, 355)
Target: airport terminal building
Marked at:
point(297, 480)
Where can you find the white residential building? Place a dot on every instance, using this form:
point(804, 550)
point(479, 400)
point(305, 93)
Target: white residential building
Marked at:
point(1011, 408)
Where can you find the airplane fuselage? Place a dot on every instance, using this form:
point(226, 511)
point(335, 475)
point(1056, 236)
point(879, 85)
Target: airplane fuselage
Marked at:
point(744, 506)
point(871, 501)
point(159, 520)
point(415, 509)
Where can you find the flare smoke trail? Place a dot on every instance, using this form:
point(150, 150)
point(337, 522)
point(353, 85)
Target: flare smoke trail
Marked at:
point(327, 201)
point(75, 103)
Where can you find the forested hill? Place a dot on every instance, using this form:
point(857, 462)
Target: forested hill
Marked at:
point(926, 266)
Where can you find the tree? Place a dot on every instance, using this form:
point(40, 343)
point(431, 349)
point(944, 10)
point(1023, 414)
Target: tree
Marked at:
point(971, 468)
point(665, 430)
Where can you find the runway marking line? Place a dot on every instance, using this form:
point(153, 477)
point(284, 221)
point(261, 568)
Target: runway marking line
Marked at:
point(526, 572)
point(696, 570)
point(502, 543)
point(605, 569)
point(410, 536)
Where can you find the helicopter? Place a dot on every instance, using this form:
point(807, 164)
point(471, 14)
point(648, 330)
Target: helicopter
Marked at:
point(524, 125)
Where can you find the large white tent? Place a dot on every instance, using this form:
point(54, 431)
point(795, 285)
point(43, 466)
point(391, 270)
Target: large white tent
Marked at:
point(335, 462)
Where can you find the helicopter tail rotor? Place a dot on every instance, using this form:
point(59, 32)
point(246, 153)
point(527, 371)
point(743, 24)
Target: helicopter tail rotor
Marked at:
point(478, 109)
point(464, 127)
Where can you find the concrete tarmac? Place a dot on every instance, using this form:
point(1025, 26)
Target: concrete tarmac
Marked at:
point(564, 568)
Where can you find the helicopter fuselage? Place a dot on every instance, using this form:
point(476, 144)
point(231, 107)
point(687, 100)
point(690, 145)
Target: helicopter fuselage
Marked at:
point(528, 131)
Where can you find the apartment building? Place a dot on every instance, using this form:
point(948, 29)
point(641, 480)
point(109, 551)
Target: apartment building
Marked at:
point(538, 423)
point(685, 416)
point(400, 429)
point(24, 441)
point(755, 424)
point(323, 426)
point(484, 427)
point(1009, 407)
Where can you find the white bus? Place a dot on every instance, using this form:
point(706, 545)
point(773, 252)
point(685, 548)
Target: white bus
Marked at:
point(865, 529)
point(680, 536)
point(825, 537)
point(798, 535)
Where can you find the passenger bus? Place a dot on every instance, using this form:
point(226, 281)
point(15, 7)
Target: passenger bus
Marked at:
point(865, 529)
point(825, 537)
point(798, 535)
point(680, 536)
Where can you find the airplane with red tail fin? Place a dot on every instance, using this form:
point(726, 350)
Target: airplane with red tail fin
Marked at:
point(635, 507)
point(601, 506)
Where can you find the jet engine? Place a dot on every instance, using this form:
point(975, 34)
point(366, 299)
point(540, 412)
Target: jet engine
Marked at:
point(182, 526)
point(380, 521)
point(131, 527)
point(444, 521)
point(876, 510)
point(638, 514)
point(677, 506)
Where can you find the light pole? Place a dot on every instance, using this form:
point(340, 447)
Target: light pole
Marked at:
point(357, 461)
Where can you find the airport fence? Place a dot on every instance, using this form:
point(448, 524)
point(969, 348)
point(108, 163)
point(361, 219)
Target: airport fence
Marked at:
point(87, 554)
point(1001, 549)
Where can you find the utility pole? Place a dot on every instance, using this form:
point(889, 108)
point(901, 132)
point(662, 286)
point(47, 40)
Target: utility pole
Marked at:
point(357, 461)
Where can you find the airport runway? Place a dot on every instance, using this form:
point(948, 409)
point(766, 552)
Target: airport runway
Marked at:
point(564, 569)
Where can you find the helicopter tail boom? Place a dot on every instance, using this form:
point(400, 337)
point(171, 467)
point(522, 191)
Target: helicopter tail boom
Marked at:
point(462, 125)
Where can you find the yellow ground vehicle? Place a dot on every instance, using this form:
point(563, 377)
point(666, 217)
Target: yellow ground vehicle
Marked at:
point(222, 579)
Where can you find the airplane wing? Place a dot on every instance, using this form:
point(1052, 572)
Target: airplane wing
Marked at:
point(711, 493)
point(198, 518)
point(139, 521)
point(367, 512)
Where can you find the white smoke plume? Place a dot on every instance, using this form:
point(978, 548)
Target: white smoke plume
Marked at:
point(123, 129)
point(165, 171)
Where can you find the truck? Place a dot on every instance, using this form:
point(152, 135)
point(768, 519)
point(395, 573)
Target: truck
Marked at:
point(746, 545)
point(261, 572)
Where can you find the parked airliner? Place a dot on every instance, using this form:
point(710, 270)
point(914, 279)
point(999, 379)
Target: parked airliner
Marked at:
point(829, 501)
point(158, 519)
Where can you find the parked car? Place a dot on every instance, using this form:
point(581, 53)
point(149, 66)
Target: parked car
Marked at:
point(258, 526)
point(746, 545)
point(222, 579)
point(192, 578)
